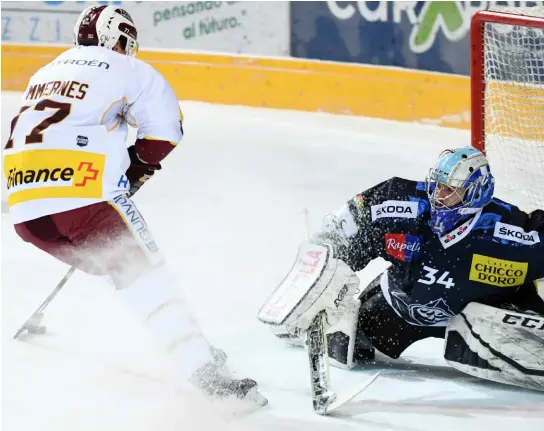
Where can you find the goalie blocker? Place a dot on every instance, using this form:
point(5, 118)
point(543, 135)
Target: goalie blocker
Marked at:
point(492, 343)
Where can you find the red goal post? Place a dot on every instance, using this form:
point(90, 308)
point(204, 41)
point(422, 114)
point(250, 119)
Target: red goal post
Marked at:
point(507, 98)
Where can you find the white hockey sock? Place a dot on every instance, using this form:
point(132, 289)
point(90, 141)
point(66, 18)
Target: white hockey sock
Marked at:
point(156, 297)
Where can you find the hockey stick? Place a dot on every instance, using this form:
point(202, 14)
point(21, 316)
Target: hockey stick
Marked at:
point(32, 325)
point(324, 399)
point(322, 396)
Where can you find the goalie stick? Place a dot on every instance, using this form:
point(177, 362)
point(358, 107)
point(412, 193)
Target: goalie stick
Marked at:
point(305, 280)
point(324, 399)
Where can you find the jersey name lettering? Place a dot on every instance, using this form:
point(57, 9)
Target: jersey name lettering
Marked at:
point(71, 89)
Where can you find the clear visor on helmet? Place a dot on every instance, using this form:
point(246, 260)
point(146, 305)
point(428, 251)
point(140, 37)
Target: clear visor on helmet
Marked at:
point(128, 39)
point(132, 48)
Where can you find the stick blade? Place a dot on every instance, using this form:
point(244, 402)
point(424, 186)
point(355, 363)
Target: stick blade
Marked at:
point(347, 396)
point(32, 325)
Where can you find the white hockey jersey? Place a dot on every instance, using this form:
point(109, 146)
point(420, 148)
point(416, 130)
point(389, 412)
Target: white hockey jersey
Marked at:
point(67, 147)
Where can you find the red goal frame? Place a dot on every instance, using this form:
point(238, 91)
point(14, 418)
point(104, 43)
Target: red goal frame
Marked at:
point(477, 62)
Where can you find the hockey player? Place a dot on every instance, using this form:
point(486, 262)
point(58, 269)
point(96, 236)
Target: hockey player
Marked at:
point(463, 267)
point(70, 178)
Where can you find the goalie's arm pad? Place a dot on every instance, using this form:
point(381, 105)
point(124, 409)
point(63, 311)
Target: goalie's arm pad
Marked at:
point(496, 344)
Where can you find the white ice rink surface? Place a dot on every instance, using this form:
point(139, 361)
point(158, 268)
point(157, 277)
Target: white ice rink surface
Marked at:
point(227, 210)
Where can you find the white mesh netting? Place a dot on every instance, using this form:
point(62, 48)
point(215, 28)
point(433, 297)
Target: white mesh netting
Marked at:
point(514, 108)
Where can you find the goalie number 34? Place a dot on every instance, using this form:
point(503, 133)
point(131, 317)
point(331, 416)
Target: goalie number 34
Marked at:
point(435, 276)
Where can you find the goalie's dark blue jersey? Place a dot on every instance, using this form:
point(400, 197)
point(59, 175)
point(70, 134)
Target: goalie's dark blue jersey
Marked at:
point(485, 259)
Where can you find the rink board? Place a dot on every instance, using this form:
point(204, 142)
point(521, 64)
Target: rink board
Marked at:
point(285, 83)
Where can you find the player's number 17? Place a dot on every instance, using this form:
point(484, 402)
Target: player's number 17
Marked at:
point(62, 110)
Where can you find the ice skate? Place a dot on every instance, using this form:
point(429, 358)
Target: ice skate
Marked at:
point(214, 379)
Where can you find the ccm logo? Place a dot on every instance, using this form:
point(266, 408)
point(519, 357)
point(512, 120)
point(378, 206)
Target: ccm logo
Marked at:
point(524, 321)
point(401, 209)
point(341, 295)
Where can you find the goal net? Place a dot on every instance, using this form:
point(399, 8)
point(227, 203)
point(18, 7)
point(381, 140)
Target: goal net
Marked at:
point(507, 87)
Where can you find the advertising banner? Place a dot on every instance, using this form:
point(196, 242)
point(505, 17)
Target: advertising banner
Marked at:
point(424, 35)
point(256, 27)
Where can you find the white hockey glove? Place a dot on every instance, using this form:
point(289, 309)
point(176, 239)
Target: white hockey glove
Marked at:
point(317, 281)
point(496, 344)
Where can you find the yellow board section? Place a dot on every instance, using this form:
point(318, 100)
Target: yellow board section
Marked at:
point(339, 88)
point(518, 110)
point(41, 174)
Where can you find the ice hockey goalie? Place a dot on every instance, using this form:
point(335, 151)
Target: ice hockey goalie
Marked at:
point(463, 268)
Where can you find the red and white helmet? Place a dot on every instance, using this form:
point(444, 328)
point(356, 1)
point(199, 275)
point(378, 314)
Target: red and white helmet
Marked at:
point(105, 26)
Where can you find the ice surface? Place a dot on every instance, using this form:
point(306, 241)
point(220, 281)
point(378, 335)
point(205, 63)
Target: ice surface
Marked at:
point(227, 209)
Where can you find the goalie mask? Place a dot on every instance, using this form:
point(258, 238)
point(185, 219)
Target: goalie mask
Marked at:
point(106, 26)
point(458, 186)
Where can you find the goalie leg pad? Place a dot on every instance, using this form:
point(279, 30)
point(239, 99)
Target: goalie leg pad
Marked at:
point(341, 340)
point(498, 345)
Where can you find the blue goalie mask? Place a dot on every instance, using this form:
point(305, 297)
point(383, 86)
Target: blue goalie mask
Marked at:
point(458, 186)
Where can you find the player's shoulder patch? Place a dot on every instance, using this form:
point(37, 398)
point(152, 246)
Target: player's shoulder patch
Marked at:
point(395, 209)
point(513, 233)
point(510, 226)
point(395, 198)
